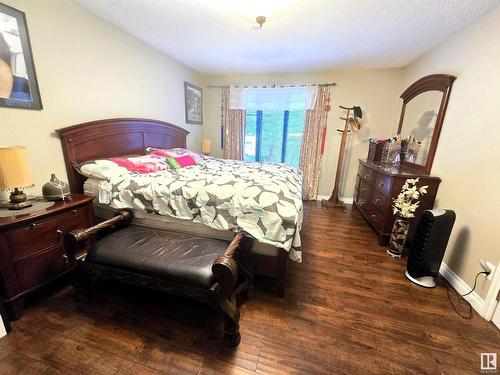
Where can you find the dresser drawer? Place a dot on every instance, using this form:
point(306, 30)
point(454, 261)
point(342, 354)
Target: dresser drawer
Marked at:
point(35, 269)
point(378, 219)
point(363, 196)
point(42, 234)
point(366, 175)
point(380, 200)
point(382, 184)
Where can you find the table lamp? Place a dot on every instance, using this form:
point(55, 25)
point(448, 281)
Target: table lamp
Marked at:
point(206, 146)
point(15, 174)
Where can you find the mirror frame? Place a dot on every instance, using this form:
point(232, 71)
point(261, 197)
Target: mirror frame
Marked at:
point(433, 82)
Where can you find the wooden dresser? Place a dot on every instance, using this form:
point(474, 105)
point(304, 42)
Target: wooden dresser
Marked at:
point(376, 187)
point(31, 248)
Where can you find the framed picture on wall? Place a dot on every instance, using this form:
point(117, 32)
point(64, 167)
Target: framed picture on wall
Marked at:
point(18, 84)
point(193, 98)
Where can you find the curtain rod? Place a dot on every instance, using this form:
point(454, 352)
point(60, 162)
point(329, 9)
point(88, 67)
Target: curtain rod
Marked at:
point(273, 85)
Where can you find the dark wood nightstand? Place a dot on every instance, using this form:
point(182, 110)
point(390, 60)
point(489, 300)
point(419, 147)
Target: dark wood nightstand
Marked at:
point(31, 247)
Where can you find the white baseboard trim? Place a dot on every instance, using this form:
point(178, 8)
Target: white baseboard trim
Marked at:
point(3, 332)
point(491, 297)
point(343, 199)
point(462, 287)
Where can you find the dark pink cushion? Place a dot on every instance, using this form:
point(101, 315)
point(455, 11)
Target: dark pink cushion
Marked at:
point(185, 161)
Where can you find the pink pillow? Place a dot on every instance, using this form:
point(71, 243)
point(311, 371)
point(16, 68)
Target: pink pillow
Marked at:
point(140, 164)
point(162, 153)
point(185, 161)
point(174, 153)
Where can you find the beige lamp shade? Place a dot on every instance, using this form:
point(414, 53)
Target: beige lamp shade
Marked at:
point(14, 168)
point(206, 146)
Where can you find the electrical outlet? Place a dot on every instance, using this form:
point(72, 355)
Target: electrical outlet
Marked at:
point(485, 265)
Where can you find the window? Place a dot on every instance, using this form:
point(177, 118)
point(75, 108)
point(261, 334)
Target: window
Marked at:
point(274, 136)
point(274, 120)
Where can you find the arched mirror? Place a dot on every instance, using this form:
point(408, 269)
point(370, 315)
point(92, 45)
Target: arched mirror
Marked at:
point(422, 115)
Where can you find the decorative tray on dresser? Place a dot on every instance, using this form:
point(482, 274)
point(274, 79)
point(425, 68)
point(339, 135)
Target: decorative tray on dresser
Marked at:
point(31, 246)
point(376, 187)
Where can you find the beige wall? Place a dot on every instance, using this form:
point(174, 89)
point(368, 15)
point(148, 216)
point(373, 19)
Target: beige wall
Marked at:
point(88, 69)
point(376, 91)
point(468, 153)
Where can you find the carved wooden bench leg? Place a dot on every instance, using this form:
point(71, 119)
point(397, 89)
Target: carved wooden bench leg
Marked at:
point(231, 322)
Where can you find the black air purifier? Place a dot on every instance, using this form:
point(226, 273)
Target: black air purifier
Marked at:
point(429, 245)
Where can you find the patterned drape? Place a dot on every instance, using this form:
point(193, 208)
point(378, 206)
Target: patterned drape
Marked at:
point(234, 121)
point(310, 152)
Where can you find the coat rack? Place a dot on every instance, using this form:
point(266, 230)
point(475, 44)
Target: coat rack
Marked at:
point(354, 124)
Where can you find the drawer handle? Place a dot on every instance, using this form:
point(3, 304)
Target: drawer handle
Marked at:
point(380, 184)
point(33, 226)
point(363, 189)
point(373, 216)
point(366, 177)
point(73, 211)
point(60, 234)
point(377, 201)
point(66, 259)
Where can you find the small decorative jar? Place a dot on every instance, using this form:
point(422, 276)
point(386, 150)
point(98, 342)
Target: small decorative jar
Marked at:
point(55, 189)
point(398, 237)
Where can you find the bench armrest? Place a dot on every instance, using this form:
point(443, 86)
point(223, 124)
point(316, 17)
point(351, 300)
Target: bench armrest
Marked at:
point(76, 239)
point(225, 267)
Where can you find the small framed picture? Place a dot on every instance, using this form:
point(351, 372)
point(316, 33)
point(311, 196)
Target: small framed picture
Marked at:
point(193, 97)
point(18, 83)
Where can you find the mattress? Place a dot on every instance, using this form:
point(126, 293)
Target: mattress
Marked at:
point(263, 199)
point(152, 220)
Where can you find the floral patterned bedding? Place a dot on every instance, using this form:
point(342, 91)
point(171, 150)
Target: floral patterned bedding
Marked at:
point(261, 198)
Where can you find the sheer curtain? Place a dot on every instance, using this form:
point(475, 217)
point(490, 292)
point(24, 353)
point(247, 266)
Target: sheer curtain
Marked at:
point(233, 121)
point(310, 153)
point(273, 99)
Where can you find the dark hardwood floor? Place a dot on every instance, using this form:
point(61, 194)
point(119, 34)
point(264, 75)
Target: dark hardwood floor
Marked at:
point(348, 310)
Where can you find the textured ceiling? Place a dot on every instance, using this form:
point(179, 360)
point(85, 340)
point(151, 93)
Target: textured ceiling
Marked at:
point(218, 36)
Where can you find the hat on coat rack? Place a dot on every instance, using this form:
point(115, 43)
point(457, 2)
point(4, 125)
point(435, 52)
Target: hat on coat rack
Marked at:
point(356, 122)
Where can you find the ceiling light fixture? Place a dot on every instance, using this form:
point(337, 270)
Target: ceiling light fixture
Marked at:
point(260, 20)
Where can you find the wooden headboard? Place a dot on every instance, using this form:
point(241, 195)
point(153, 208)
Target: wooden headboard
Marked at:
point(114, 137)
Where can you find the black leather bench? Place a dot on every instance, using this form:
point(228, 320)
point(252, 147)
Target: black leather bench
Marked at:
point(202, 268)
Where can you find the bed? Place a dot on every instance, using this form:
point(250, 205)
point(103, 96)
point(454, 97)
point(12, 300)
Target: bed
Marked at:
point(212, 217)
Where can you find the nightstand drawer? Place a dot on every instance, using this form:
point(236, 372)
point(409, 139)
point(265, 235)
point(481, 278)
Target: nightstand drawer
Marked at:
point(31, 247)
point(35, 269)
point(42, 234)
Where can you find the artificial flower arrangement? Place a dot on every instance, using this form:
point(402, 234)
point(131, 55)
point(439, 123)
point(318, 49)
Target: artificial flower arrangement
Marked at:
point(407, 201)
